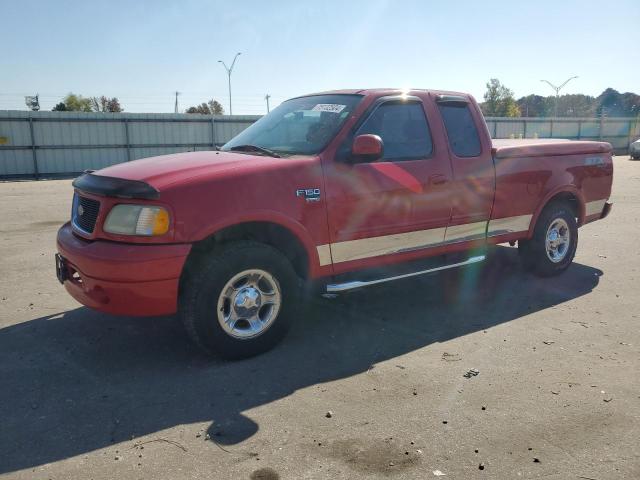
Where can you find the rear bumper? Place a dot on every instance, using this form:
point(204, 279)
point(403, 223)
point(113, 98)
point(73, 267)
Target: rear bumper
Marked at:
point(597, 210)
point(121, 278)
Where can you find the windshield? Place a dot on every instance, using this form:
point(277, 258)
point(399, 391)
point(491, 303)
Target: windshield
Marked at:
point(302, 126)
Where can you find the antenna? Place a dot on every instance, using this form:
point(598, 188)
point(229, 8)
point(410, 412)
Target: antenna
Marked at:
point(267, 97)
point(32, 102)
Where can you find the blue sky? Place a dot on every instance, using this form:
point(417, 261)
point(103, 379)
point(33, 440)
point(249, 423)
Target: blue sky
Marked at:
point(142, 51)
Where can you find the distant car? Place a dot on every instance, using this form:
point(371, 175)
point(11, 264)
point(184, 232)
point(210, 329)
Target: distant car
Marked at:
point(634, 150)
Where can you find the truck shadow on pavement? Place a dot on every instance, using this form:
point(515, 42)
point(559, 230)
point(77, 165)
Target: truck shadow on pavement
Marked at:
point(79, 381)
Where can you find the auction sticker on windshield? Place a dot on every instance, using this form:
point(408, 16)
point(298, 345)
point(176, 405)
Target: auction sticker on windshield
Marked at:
point(328, 107)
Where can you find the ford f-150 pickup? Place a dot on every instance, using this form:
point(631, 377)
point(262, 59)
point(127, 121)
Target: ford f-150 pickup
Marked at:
point(335, 191)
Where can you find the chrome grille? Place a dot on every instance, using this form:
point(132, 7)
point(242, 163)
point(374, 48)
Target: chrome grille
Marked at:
point(85, 213)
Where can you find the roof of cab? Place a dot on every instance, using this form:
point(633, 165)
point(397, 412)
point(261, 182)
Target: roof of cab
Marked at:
point(386, 91)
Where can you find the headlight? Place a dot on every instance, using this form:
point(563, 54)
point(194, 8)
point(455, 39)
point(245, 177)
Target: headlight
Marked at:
point(137, 220)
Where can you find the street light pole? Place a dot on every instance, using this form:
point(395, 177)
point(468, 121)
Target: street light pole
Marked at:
point(557, 89)
point(229, 70)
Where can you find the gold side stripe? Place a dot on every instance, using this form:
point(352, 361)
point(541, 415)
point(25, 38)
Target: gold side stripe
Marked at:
point(501, 226)
point(324, 254)
point(466, 232)
point(385, 245)
point(404, 242)
point(592, 208)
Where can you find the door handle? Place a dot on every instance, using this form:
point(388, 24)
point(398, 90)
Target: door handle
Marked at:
point(437, 179)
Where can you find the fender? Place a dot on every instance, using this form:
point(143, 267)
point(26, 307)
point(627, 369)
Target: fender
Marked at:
point(558, 190)
point(268, 216)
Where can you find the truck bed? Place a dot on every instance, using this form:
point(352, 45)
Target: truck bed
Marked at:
point(530, 171)
point(545, 147)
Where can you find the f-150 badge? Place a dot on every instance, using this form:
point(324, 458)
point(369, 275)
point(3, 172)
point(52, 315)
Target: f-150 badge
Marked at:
point(309, 194)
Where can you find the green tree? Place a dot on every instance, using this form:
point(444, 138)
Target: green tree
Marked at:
point(616, 104)
point(202, 109)
point(77, 103)
point(499, 101)
point(104, 104)
point(216, 107)
point(511, 108)
point(60, 107)
point(631, 104)
point(212, 107)
point(610, 101)
point(574, 105)
point(534, 106)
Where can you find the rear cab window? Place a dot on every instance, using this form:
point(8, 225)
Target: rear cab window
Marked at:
point(462, 132)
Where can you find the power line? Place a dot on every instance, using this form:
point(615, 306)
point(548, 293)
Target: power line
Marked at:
point(248, 103)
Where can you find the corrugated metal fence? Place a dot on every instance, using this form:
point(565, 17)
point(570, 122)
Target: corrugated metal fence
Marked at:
point(46, 144)
point(34, 144)
point(619, 132)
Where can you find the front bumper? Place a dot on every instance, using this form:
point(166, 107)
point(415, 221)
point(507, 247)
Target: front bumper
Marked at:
point(121, 278)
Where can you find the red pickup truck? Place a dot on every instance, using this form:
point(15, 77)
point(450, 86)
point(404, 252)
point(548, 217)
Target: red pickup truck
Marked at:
point(338, 190)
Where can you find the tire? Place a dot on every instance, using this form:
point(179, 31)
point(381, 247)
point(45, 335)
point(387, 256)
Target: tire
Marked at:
point(535, 254)
point(238, 280)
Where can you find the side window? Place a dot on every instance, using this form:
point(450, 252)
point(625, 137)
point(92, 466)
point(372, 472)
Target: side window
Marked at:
point(403, 129)
point(461, 130)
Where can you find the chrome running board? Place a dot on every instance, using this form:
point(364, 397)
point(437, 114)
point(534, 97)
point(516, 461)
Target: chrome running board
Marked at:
point(341, 287)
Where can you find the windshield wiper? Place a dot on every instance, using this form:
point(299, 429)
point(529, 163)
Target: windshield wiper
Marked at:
point(254, 148)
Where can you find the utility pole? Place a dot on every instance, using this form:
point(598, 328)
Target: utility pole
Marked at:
point(229, 70)
point(557, 89)
point(175, 110)
point(267, 97)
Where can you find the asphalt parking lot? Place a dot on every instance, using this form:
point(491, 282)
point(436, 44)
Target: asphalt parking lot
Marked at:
point(88, 395)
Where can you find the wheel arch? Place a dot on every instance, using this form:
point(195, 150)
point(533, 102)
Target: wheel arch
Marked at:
point(303, 258)
point(569, 195)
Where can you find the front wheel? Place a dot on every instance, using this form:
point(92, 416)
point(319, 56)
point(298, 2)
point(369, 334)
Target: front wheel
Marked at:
point(555, 238)
point(241, 300)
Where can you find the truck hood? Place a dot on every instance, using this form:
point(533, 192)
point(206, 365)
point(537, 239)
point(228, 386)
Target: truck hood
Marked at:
point(161, 172)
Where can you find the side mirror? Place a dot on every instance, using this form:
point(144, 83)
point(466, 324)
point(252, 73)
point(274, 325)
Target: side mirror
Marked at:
point(367, 148)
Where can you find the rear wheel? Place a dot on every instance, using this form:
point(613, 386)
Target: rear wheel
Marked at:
point(555, 238)
point(241, 300)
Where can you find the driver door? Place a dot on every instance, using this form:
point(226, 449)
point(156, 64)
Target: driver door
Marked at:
point(399, 203)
